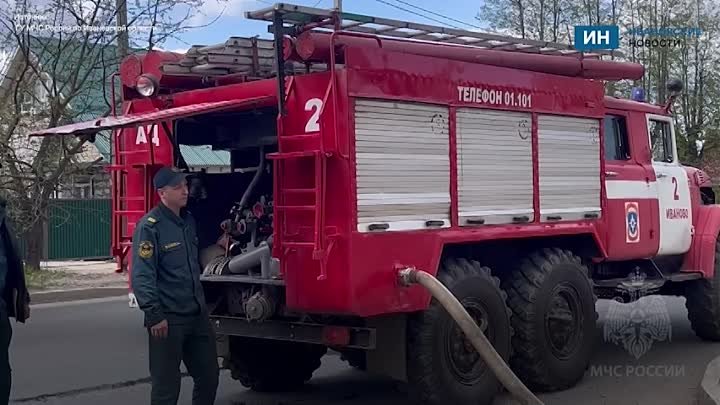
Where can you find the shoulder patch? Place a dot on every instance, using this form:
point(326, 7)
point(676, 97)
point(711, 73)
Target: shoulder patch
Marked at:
point(151, 220)
point(146, 249)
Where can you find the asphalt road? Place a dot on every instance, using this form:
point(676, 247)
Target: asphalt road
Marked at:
point(95, 353)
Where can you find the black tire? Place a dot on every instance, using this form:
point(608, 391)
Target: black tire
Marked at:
point(702, 300)
point(435, 375)
point(273, 366)
point(542, 362)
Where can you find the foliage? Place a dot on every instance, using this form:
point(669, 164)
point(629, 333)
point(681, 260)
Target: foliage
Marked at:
point(59, 56)
point(693, 60)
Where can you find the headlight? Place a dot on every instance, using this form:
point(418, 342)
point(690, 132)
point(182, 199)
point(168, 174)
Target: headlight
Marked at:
point(146, 85)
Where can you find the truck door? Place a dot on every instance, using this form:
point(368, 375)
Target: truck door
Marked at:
point(631, 208)
point(672, 187)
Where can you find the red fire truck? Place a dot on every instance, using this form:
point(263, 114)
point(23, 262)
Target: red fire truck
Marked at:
point(361, 146)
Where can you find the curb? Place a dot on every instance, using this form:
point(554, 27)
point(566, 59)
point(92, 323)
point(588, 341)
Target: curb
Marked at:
point(45, 297)
point(709, 392)
point(60, 290)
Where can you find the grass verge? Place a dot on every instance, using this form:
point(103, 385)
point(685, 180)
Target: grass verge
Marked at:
point(40, 279)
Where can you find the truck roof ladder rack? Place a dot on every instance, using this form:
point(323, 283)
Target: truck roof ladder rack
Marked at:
point(301, 18)
point(253, 58)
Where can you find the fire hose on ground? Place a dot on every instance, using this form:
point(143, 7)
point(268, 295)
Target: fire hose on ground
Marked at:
point(473, 333)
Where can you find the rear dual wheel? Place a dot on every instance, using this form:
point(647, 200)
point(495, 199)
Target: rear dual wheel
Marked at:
point(443, 366)
point(553, 317)
point(547, 317)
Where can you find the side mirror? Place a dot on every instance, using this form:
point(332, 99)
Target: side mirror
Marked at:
point(674, 87)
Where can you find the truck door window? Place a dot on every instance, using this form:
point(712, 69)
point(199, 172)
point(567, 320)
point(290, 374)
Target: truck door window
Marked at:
point(661, 141)
point(616, 139)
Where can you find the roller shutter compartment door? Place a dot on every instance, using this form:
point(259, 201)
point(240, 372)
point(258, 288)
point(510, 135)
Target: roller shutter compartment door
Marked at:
point(403, 166)
point(495, 168)
point(569, 167)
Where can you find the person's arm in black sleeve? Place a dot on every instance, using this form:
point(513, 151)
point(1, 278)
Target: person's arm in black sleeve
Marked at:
point(144, 274)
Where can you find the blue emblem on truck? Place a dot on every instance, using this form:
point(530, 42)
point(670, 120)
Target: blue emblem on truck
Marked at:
point(632, 222)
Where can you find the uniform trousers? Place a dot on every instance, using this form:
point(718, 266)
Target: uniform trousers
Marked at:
point(190, 340)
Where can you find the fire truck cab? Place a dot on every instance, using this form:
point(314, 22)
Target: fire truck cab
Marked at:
point(643, 173)
point(497, 164)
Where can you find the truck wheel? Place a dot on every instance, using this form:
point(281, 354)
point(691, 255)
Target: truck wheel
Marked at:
point(702, 300)
point(554, 319)
point(443, 367)
point(273, 366)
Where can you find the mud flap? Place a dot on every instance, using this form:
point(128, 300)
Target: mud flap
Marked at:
point(389, 357)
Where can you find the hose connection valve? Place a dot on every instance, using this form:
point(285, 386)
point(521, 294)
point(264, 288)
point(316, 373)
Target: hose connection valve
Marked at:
point(408, 276)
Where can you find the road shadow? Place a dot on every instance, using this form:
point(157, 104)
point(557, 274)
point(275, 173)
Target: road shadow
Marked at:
point(663, 372)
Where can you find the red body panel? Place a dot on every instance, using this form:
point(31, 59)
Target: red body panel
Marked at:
point(637, 169)
point(138, 154)
point(362, 267)
point(259, 88)
point(702, 251)
point(706, 222)
point(375, 289)
point(304, 290)
point(391, 75)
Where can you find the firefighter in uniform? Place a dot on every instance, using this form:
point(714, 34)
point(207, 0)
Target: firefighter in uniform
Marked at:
point(165, 278)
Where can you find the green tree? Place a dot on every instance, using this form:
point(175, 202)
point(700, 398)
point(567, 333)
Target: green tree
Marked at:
point(52, 77)
point(694, 60)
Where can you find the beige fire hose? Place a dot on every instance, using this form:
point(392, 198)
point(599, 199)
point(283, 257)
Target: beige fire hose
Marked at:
point(491, 357)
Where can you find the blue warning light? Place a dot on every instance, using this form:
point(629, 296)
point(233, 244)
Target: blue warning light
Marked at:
point(638, 94)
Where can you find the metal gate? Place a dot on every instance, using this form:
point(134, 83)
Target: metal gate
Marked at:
point(78, 229)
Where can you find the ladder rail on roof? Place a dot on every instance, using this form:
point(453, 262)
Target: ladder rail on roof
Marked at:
point(254, 57)
point(304, 17)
